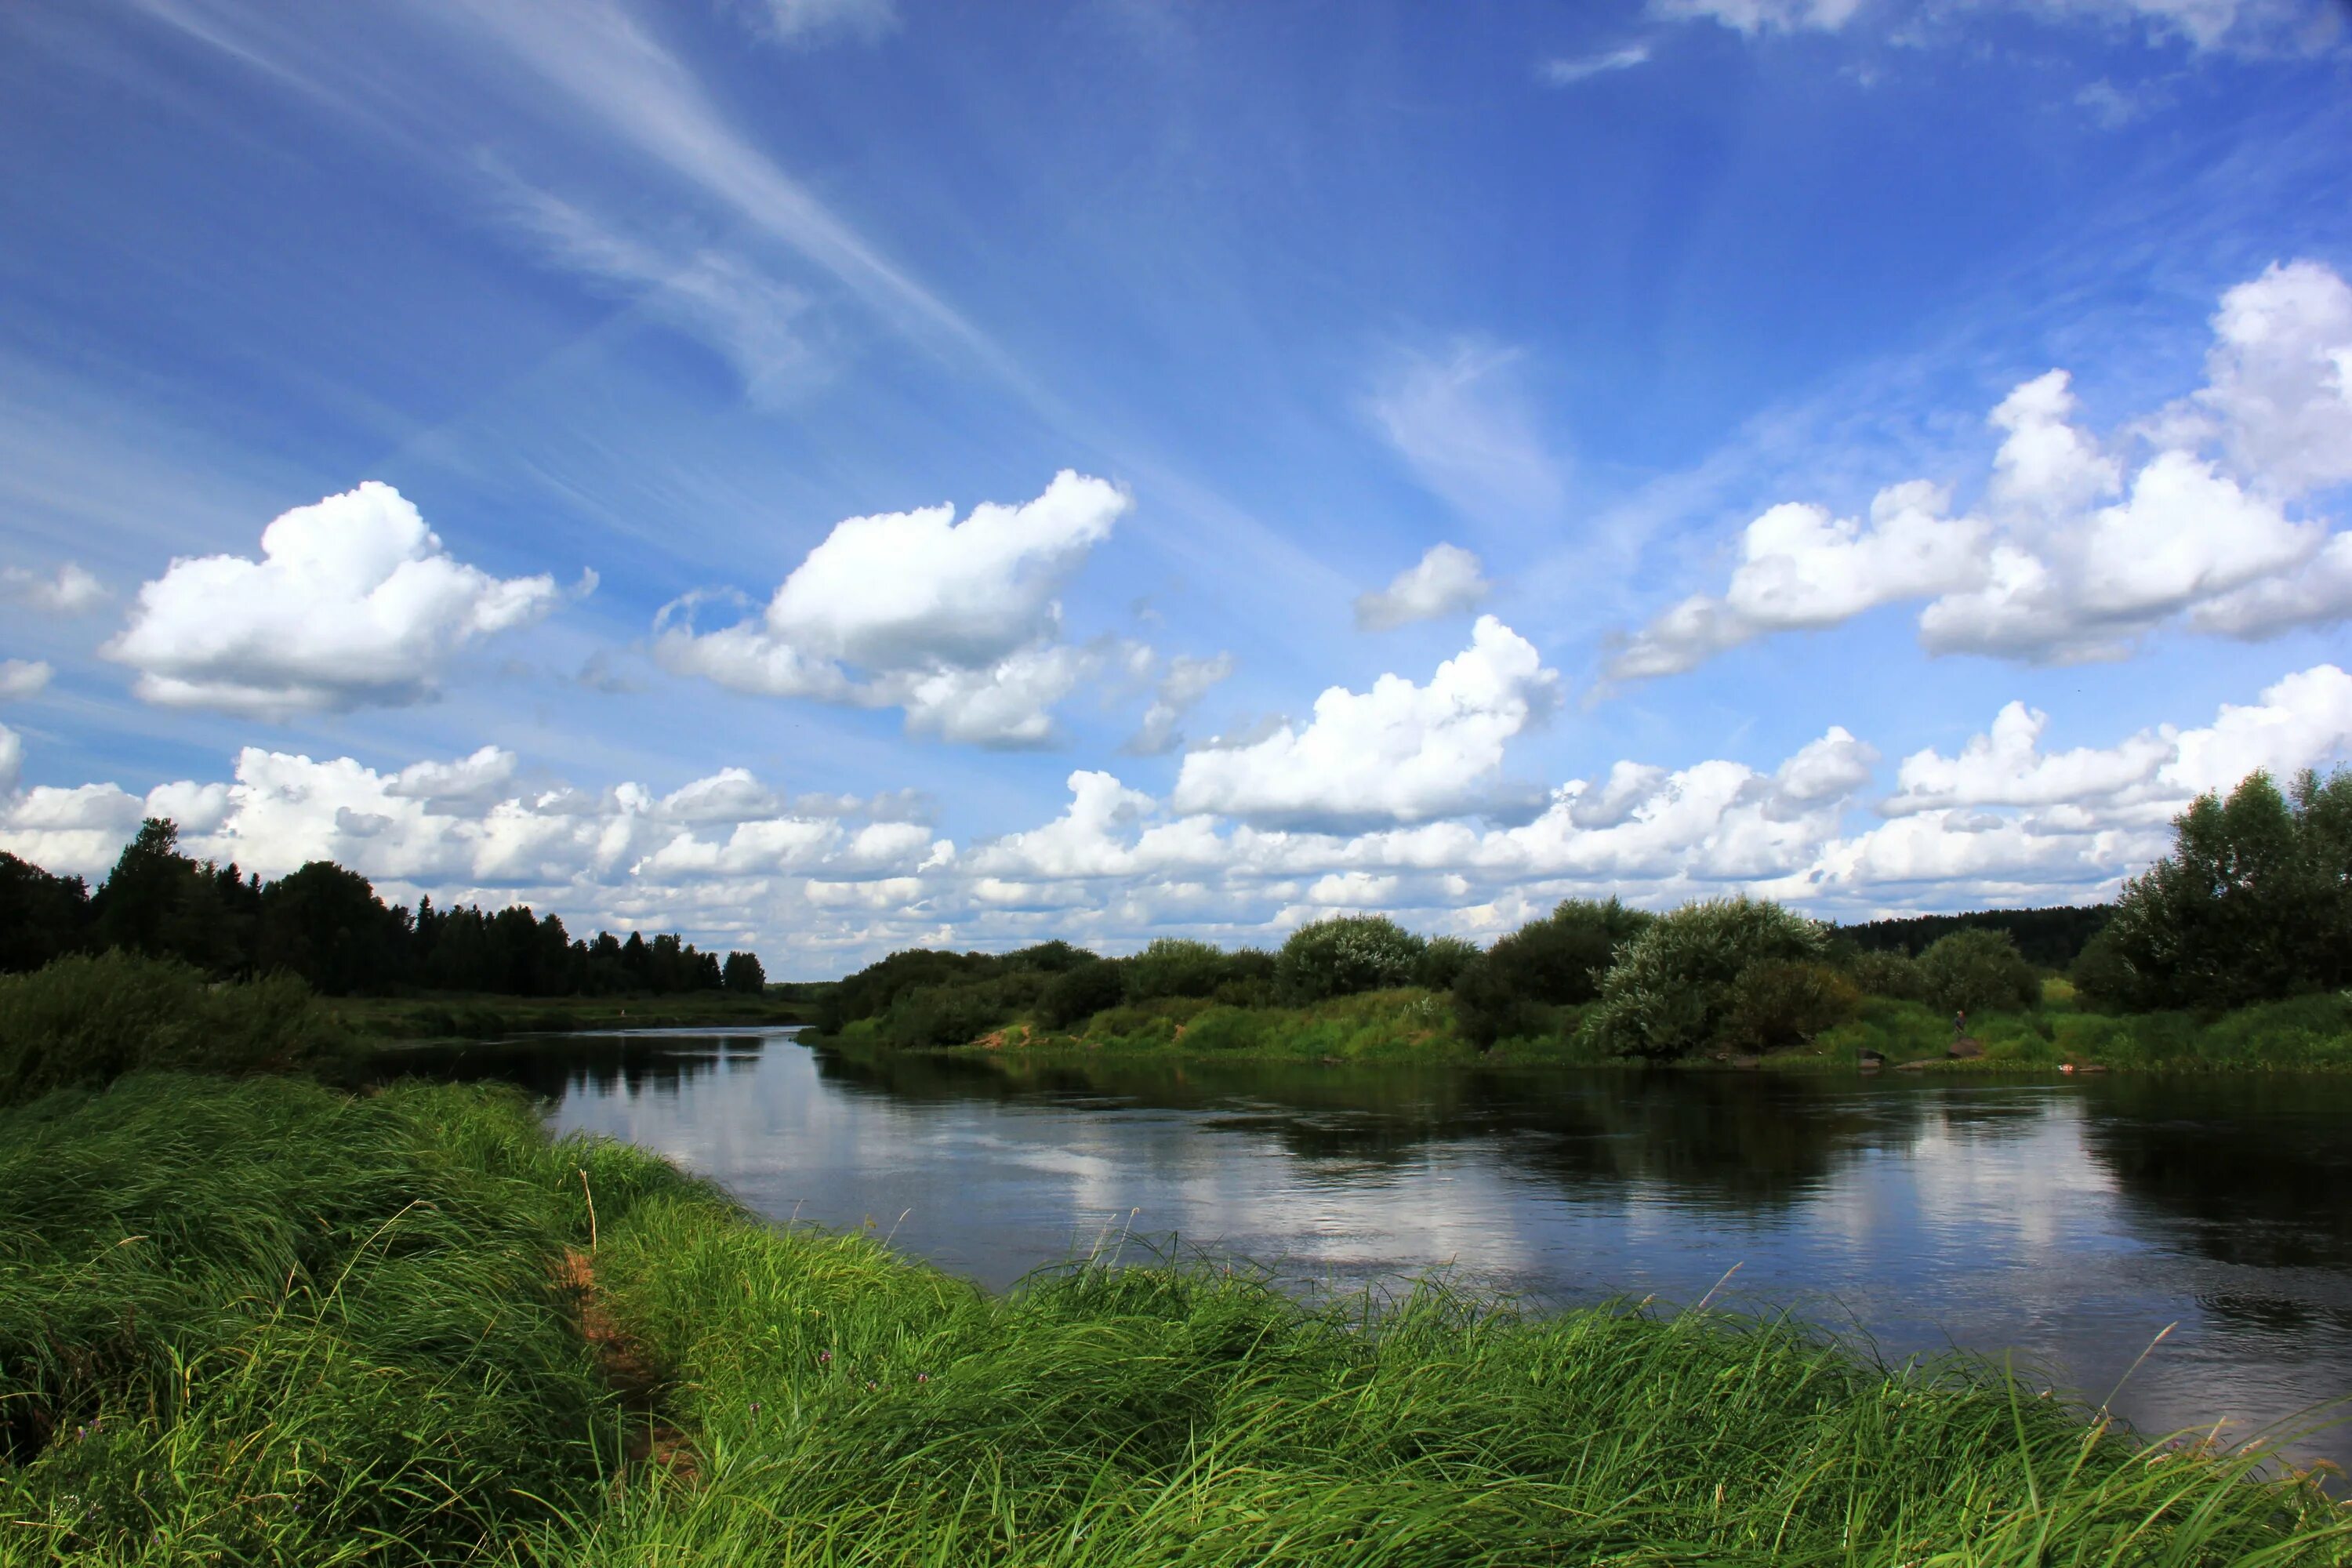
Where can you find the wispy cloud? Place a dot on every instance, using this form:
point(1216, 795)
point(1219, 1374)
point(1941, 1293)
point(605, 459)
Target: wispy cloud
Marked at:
point(760, 323)
point(1567, 71)
point(805, 24)
point(1461, 421)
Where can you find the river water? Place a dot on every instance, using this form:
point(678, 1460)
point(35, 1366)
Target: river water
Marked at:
point(2066, 1224)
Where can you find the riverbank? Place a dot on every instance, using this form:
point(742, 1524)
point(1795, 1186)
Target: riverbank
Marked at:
point(2304, 1035)
point(442, 1019)
point(262, 1322)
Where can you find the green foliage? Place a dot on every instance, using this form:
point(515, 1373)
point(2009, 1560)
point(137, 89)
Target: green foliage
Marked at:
point(1977, 971)
point(1879, 972)
point(1775, 1006)
point(1515, 988)
point(1443, 960)
point(1174, 966)
point(2051, 938)
point(1079, 992)
point(938, 1016)
point(326, 924)
point(1671, 990)
point(2254, 903)
point(743, 976)
point(86, 1021)
point(41, 917)
point(1344, 955)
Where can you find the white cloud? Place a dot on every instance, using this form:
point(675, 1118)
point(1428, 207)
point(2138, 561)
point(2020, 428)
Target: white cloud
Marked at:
point(758, 322)
point(804, 22)
point(23, 678)
point(1462, 425)
point(954, 622)
point(1446, 581)
point(479, 780)
point(1186, 681)
point(12, 759)
point(2279, 378)
point(2253, 25)
point(353, 603)
point(729, 795)
point(1753, 17)
point(1568, 71)
point(68, 591)
point(1801, 569)
point(2073, 556)
point(1399, 752)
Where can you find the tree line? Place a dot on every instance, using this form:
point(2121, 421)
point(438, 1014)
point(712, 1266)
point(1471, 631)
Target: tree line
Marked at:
point(325, 923)
point(2254, 904)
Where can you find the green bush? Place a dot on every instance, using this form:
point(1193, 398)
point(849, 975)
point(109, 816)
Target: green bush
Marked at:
point(1345, 954)
point(1514, 989)
point(1977, 971)
point(1175, 966)
point(935, 1018)
point(86, 1021)
point(1779, 1005)
point(1670, 990)
point(1078, 992)
point(1879, 973)
point(1442, 962)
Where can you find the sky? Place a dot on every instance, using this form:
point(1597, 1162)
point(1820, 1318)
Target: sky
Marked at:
point(831, 476)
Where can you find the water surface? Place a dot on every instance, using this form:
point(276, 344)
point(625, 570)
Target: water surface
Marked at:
point(2067, 1221)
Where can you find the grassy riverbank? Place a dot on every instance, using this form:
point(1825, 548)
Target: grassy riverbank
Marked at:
point(2305, 1034)
point(262, 1322)
point(462, 1017)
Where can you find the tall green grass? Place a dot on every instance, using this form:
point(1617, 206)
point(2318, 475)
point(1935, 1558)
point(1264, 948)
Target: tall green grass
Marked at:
point(261, 1322)
point(258, 1323)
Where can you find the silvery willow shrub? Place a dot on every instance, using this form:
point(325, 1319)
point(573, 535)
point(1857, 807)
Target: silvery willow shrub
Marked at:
point(1551, 963)
point(1670, 990)
point(1345, 954)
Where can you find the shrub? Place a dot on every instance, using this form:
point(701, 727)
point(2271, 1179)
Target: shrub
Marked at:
point(936, 1016)
point(1776, 1005)
point(1883, 973)
point(1554, 962)
point(1442, 962)
point(2102, 978)
point(1670, 990)
point(1175, 966)
point(1977, 972)
point(86, 1021)
point(1345, 954)
point(1080, 992)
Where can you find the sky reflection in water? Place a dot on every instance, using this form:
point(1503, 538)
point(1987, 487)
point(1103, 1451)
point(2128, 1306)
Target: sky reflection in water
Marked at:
point(2068, 1221)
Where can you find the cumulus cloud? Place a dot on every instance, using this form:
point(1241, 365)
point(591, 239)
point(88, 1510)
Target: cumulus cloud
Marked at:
point(23, 678)
point(2073, 554)
point(2014, 815)
point(1398, 752)
point(1444, 581)
point(1185, 682)
point(353, 603)
point(956, 623)
point(68, 591)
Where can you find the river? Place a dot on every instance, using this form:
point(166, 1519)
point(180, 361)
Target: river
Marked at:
point(2064, 1224)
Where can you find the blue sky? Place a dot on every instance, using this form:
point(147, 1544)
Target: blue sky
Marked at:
point(1547, 323)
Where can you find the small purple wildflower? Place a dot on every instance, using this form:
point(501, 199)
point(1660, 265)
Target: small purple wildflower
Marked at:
point(923, 1377)
point(755, 1407)
point(824, 1356)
